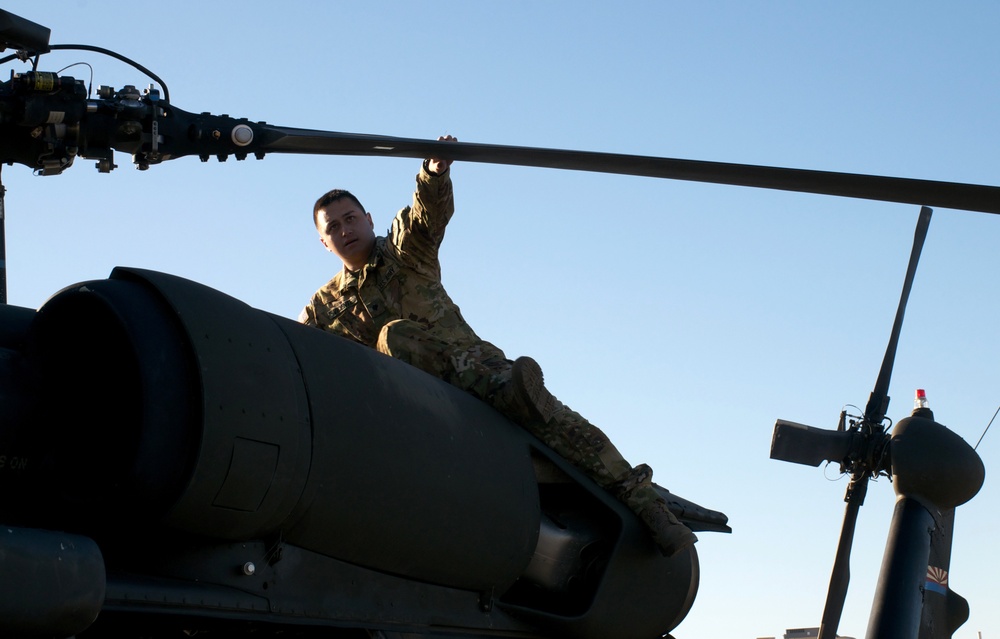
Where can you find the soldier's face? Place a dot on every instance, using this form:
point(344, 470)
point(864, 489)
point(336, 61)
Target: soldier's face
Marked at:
point(347, 231)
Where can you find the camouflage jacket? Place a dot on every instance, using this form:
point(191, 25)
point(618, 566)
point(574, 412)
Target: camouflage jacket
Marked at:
point(402, 279)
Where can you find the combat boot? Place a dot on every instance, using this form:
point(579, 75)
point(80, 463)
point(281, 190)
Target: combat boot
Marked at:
point(669, 534)
point(525, 397)
point(636, 491)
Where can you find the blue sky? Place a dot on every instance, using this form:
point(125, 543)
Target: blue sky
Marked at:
point(682, 318)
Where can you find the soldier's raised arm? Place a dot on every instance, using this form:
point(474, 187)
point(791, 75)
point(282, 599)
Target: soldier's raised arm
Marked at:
point(438, 166)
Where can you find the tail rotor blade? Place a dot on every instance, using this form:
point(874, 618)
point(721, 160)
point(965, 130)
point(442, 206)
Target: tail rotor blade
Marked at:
point(875, 411)
point(841, 577)
point(878, 403)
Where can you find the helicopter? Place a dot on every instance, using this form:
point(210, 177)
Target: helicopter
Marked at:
point(420, 150)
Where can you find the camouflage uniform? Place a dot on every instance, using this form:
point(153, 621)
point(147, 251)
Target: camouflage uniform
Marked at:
point(397, 304)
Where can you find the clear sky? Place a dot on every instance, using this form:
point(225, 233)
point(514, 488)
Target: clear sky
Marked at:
point(682, 318)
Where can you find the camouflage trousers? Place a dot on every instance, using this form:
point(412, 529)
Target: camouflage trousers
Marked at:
point(482, 369)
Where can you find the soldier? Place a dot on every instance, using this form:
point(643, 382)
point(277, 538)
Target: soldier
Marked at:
point(389, 296)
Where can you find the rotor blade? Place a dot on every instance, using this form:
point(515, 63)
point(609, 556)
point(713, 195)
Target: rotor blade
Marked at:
point(878, 402)
point(801, 444)
point(971, 197)
point(841, 577)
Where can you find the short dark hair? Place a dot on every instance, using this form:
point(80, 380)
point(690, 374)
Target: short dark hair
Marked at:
point(329, 198)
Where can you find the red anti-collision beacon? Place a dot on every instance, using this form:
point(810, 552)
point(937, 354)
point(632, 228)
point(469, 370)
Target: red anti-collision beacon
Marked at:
point(921, 407)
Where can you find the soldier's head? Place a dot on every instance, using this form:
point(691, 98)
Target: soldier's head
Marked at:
point(344, 227)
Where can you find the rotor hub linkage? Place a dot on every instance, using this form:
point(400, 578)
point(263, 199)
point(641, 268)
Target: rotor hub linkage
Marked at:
point(46, 121)
point(869, 455)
